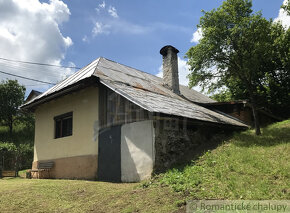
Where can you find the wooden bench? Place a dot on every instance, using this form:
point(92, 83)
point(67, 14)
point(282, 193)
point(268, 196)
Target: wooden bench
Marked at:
point(43, 169)
point(8, 173)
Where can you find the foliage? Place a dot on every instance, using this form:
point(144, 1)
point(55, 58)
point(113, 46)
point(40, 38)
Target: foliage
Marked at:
point(18, 143)
point(11, 98)
point(245, 53)
point(7, 147)
point(223, 96)
point(21, 156)
point(233, 39)
point(245, 167)
point(22, 134)
point(286, 7)
point(276, 90)
point(24, 156)
point(26, 119)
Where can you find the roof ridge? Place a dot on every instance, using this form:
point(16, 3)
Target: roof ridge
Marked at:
point(151, 75)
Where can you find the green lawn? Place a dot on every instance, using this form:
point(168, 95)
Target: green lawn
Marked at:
point(26, 195)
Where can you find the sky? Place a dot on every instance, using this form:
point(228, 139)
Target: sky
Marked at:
point(75, 32)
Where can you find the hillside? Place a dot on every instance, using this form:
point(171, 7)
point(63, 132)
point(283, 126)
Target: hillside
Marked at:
point(22, 133)
point(245, 167)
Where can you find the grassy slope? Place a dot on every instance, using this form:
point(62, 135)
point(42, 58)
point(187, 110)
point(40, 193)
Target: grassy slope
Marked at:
point(21, 134)
point(245, 167)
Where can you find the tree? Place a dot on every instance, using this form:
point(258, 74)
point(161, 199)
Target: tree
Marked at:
point(286, 7)
point(278, 76)
point(222, 96)
point(11, 97)
point(274, 89)
point(235, 47)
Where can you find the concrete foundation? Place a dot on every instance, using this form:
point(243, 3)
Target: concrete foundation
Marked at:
point(80, 167)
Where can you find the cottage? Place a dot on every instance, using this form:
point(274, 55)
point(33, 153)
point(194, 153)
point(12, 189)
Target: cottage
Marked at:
point(33, 94)
point(112, 122)
point(242, 110)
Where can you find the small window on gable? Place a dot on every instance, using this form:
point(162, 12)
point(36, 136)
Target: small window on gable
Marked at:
point(63, 125)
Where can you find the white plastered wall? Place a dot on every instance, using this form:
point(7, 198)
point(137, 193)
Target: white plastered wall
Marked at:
point(137, 151)
point(84, 140)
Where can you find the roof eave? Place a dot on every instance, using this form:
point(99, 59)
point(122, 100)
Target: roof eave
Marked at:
point(67, 90)
point(203, 122)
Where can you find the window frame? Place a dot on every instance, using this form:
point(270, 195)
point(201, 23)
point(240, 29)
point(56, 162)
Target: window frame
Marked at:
point(61, 118)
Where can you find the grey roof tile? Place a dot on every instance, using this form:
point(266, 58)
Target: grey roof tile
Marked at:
point(145, 90)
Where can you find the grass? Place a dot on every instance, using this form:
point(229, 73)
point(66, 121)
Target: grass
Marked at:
point(26, 195)
point(245, 167)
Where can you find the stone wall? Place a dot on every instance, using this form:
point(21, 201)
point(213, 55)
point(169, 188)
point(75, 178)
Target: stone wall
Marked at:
point(178, 142)
point(170, 68)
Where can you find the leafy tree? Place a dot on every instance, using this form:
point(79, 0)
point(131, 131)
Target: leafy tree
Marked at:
point(223, 96)
point(277, 78)
point(233, 52)
point(11, 97)
point(274, 88)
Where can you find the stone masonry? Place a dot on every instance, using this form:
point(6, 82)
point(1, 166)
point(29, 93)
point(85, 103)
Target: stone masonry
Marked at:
point(177, 142)
point(170, 68)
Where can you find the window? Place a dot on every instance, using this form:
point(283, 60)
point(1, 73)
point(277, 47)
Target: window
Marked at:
point(63, 125)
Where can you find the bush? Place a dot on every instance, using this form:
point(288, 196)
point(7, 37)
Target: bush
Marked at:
point(16, 157)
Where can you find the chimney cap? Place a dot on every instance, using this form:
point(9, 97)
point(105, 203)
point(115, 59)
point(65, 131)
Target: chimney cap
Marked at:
point(164, 50)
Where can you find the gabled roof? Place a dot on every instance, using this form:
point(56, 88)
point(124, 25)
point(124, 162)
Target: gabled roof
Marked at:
point(32, 95)
point(143, 89)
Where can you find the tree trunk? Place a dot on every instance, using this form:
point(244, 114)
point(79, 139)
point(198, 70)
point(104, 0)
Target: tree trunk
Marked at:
point(10, 127)
point(256, 118)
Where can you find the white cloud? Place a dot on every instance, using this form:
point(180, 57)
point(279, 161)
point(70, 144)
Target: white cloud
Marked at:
point(123, 26)
point(100, 7)
point(183, 72)
point(116, 26)
point(103, 5)
point(109, 22)
point(113, 12)
point(29, 31)
point(85, 39)
point(283, 17)
point(197, 35)
point(100, 28)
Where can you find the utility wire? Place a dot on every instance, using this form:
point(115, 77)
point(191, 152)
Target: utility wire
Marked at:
point(36, 63)
point(31, 79)
point(26, 69)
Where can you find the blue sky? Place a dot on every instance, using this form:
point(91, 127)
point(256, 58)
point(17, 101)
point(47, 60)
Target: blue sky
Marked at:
point(76, 32)
point(157, 23)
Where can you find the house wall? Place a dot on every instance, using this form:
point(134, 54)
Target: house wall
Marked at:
point(137, 151)
point(245, 115)
point(75, 156)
